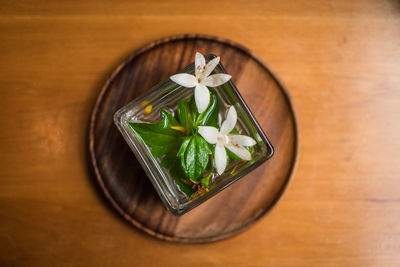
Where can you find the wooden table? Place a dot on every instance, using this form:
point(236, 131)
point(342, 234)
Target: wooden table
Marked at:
point(340, 61)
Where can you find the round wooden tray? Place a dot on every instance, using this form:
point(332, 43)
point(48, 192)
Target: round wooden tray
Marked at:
point(235, 209)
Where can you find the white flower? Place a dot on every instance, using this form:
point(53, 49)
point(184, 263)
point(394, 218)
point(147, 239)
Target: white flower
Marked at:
point(222, 139)
point(201, 80)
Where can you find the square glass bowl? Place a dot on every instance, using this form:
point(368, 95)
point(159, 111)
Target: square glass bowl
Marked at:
point(166, 95)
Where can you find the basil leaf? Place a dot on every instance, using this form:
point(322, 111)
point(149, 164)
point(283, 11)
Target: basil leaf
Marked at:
point(159, 136)
point(187, 113)
point(169, 119)
point(184, 145)
point(190, 118)
point(210, 116)
point(194, 154)
point(172, 163)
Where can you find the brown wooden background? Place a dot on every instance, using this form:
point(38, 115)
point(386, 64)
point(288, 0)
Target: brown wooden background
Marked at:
point(340, 61)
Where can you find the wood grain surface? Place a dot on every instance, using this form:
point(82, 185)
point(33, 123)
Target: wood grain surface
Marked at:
point(340, 60)
point(125, 183)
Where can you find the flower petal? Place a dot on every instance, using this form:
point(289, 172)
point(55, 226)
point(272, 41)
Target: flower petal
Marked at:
point(230, 122)
point(239, 151)
point(242, 140)
point(209, 133)
point(202, 97)
point(210, 66)
point(184, 79)
point(199, 63)
point(220, 158)
point(216, 79)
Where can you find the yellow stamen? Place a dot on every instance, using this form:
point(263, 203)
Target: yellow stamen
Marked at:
point(234, 168)
point(186, 181)
point(178, 128)
point(148, 109)
point(201, 190)
point(144, 103)
point(193, 181)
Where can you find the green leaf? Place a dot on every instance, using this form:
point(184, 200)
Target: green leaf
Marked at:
point(206, 180)
point(184, 145)
point(210, 116)
point(190, 118)
point(172, 163)
point(194, 154)
point(159, 136)
point(187, 113)
point(169, 119)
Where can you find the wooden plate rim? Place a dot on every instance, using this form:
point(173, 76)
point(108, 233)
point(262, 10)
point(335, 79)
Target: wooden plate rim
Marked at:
point(91, 137)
